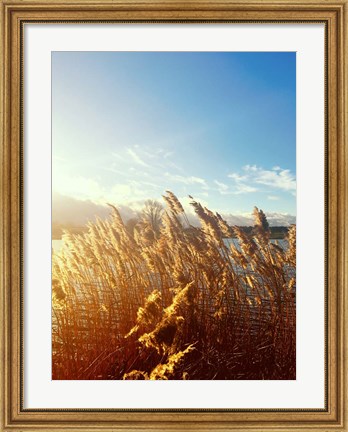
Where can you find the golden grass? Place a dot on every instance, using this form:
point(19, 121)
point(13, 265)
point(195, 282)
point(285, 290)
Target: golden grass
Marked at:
point(179, 305)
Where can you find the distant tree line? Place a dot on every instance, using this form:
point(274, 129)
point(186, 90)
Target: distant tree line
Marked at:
point(277, 232)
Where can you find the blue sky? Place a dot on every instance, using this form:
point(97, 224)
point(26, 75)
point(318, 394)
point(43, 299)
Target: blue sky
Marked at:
point(218, 126)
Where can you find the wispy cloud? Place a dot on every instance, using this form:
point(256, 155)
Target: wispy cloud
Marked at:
point(237, 177)
point(253, 176)
point(276, 178)
point(243, 188)
point(222, 187)
point(163, 153)
point(240, 186)
point(273, 197)
point(173, 165)
point(158, 159)
point(136, 158)
point(187, 180)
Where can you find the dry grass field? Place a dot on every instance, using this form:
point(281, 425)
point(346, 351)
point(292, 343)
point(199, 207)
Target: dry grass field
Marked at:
point(174, 301)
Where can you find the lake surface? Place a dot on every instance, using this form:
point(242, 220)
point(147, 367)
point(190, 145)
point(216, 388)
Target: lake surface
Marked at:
point(58, 244)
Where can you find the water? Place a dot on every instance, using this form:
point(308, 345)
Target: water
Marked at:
point(280, 242)
point(58, 244)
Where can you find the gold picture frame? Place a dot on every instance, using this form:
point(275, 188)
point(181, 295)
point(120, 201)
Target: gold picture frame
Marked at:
point(14, 14)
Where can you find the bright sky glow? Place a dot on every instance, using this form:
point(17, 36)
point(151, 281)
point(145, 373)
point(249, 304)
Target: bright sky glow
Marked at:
point(218, 126)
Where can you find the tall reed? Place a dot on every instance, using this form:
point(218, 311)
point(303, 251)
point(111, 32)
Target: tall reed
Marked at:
point(184, 303)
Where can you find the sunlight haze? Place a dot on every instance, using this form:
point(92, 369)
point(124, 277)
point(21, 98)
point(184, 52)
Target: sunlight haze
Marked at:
point(218, 126)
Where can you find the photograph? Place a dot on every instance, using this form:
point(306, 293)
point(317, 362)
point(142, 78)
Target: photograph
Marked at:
point(173, 215)
point(174, 206)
